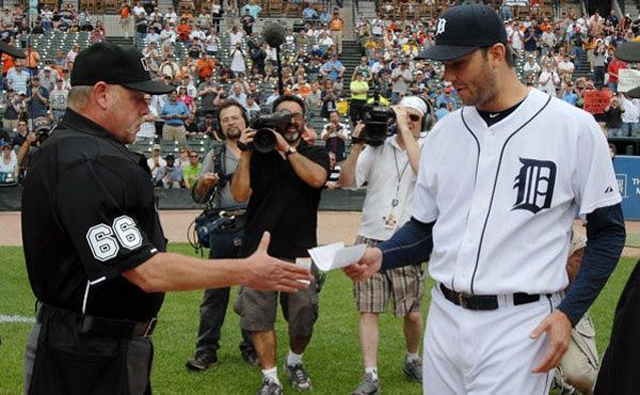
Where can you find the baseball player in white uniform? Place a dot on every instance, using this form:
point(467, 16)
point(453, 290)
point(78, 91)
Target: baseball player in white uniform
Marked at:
point(499, 185)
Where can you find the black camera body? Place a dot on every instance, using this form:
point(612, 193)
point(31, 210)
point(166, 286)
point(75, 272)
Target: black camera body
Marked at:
point(378, 121)
point(264, 141)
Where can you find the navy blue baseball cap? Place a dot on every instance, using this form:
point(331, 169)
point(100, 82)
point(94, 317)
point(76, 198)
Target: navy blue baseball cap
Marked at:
point(463, 29)
point(118, 65)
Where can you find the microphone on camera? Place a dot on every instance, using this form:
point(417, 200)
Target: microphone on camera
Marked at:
point(273, 34)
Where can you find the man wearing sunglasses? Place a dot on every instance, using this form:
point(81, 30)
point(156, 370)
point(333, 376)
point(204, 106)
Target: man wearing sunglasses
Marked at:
point(390, 170)
point(501, 181)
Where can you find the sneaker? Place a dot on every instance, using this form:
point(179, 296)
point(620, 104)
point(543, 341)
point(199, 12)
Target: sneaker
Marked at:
point(413, 369)
point(202, 361)
point(270, 387)
point(300, 380)
point(249, 355)
point(368, 386)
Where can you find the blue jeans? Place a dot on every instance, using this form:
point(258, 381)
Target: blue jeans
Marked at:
point(630, 129)
point(614, 132)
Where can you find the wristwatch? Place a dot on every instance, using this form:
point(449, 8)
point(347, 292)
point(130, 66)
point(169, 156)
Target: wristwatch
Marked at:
point(290, 150)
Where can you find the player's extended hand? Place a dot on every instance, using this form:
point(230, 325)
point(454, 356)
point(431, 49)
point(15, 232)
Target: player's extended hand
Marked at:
point(265, 273)
point(558, 329)
point(367, 266)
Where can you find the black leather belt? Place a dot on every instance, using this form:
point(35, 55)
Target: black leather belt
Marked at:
point(483, 302)
point(109, 327)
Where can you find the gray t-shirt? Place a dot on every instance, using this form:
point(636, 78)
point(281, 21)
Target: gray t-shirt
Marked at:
point(227, 202)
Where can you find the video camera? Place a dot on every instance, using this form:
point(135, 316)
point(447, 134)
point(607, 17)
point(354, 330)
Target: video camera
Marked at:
point(264, 141)
point(378, 124)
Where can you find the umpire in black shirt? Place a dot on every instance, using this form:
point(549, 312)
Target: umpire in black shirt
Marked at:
point(283, 187)
point(93, 244)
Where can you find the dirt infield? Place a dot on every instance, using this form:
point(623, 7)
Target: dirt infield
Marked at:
point(333, 226)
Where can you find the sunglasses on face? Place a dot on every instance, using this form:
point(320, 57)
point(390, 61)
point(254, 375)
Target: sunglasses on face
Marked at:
point(414, 117)
point(193, 156)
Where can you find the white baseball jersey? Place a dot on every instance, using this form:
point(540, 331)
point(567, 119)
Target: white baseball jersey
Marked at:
point(505, 196)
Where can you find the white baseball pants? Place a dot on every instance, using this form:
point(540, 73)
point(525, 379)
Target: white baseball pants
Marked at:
point(485, 352)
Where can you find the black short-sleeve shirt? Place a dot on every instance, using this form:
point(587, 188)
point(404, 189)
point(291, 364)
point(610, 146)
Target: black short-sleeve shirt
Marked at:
point(88, 215)
point(283, 204)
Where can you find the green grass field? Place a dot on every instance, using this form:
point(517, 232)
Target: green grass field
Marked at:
point(333, 357)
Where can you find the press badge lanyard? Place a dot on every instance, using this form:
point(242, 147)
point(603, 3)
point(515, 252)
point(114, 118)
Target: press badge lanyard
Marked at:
point(390, 220)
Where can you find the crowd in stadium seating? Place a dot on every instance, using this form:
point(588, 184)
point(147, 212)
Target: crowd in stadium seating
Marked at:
point(569, 57)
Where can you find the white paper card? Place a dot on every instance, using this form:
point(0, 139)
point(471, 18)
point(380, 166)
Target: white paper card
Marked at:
point(306, 263)
point(336, 255)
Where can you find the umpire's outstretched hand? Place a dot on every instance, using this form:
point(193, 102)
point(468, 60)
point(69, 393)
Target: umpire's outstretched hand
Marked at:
point(265, 273)
point(367, 266)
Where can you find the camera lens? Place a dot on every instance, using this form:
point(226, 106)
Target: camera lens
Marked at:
point(264, 141)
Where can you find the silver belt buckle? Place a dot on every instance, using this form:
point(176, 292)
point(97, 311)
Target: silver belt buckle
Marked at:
point(462, 301)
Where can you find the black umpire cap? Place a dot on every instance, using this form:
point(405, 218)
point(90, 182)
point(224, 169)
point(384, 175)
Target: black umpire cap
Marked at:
point(464, 29)
point(118, 65)
point(630, 52)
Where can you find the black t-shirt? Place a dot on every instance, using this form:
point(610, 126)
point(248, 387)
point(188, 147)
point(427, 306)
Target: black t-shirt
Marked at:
point(88, 215)
point(283, 204)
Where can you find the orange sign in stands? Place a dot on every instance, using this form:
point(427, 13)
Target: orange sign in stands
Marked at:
point(596, 101)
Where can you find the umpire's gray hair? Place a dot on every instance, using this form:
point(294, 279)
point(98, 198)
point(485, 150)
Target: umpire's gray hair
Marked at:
point(78, 96)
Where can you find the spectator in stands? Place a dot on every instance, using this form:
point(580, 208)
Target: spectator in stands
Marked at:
point(147, 127)
point(598, 62)
point(530, 42)
point(569, 95)
point(184, 29)
point(335, 136)
point(190, 172)
point(337, 26)
point(359, 89)
point(198, 34)
point(152, 37)
point(212, 42)
point(18, 77)
point(247, 21)
point(185, 98)
point(168, 35)
point(235, 36)
point(12, 111)
point(207, 126)
point(22, 132)
point(329, 100)
point(253, 9)
point(155, 162)
point(37, 100)
point(613, 69)
point(125, 19)
point(334, 173)
point(253, 109)
point(8, 160)
point(549, 79)
point(174, 113)
point(309, 13)
point(613, 117)
point(169, 68)
point(171, 16)
point(191, 126)
point(204, 67)
point(238, 62)
point(170, 175)
point(73, 52)
point(401, 78)
point(442, 111)
point(333, 68)
point(141, 27)
point(138, 9)
point(630, 116)
point(58, 100)
point(238, 94)
point(565, 66)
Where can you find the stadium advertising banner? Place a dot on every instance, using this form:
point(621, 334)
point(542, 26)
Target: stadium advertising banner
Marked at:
point(627, 170)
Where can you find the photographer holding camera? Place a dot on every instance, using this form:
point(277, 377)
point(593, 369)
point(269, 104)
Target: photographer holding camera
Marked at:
point(283, 180)
point(213, 183)
point(390, 168)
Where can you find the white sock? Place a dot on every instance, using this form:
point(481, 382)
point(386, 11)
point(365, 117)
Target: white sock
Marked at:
point(271, 374)
point(373, 371)
point(293, 358)
point(412, 357)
